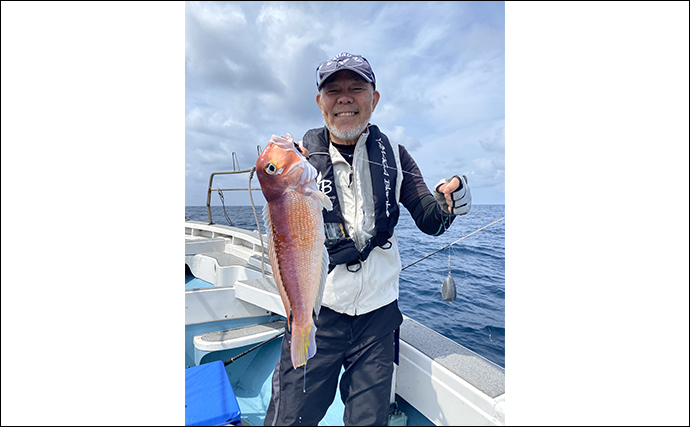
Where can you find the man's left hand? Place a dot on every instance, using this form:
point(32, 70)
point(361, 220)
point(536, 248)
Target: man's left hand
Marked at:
point(454, 195)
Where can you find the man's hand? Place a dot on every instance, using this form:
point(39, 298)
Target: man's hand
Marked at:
point(302, 149)
point(448, 188)
point(453, 195)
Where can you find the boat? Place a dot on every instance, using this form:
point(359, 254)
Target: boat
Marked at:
point(234, 321)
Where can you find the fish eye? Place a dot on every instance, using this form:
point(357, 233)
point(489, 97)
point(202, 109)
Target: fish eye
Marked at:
point(270, 169)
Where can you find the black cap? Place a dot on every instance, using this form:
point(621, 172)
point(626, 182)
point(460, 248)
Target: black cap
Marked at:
point(344, 61)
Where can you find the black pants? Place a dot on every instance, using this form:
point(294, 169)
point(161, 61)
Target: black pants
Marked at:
point(364, 345)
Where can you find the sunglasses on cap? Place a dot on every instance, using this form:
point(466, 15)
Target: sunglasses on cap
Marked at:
point(344, 61)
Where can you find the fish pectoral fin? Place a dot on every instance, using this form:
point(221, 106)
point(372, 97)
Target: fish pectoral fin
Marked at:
point(325, 201)
point(313, 191)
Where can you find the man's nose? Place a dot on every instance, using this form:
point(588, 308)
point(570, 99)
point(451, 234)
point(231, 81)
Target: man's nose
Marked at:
point(345, 98)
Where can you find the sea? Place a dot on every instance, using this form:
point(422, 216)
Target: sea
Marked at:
point(476, 318)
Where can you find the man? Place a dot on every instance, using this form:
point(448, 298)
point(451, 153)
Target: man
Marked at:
point(365, 175)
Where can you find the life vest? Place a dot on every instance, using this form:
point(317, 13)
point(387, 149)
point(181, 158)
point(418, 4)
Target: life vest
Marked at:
point(341, 247)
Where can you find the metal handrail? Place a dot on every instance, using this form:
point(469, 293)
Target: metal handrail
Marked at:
point(210, 184)
point(250, 189)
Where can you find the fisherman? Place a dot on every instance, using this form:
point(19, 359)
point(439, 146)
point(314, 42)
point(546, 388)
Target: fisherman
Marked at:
point(365, 175)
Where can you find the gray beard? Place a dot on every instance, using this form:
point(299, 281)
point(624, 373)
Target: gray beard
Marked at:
point(347, 135)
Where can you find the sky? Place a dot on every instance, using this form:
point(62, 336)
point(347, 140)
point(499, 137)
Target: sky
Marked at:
point(97, 101)
point(439, 66)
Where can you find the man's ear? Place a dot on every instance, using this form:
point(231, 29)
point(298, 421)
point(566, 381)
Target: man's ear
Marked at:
point(377, 95)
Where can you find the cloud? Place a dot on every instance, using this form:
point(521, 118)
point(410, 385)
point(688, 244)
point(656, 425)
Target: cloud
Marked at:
point(497, 143)
point(219, 48)
point(488, 173)
point(250, 73)
point(398, 135)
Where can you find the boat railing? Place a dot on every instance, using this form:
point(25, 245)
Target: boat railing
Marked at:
point(236, 170)
point(220, 190)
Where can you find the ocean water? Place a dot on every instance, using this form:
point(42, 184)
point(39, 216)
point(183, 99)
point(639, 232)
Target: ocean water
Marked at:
point(476, 319)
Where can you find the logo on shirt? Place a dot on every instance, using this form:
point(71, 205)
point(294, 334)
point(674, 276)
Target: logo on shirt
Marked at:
point(325, 185)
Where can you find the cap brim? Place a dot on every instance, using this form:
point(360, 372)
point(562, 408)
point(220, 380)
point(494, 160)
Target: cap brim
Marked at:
point(328, 76)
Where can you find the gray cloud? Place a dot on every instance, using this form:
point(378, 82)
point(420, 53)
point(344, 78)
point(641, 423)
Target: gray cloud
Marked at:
point(497, 143)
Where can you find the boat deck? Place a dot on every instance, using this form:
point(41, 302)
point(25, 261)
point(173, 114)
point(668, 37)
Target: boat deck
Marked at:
point(476, 370)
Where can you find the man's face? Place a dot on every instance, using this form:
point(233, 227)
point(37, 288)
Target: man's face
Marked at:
point(346, 101)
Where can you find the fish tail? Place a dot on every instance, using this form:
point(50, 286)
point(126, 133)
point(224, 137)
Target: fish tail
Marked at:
point(303, 345)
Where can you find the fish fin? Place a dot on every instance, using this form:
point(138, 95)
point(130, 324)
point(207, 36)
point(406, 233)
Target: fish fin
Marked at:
point(311, 349)
point(325, 200)
point(267, 221)
point(302, 345)
point(273, 258)
point(322, 282)
point(284, 142)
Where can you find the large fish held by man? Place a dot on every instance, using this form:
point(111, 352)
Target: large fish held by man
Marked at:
point(294, 224)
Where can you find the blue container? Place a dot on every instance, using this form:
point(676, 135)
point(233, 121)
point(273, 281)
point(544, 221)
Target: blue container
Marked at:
point(209, 398)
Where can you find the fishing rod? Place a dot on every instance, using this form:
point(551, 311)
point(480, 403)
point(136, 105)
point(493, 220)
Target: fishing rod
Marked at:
point(451, 244)
point(232, 359)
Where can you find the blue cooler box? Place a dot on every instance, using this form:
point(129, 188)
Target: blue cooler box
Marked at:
point(209, 398)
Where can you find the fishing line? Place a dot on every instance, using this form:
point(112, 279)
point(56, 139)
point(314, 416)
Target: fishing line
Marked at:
point(449, 251)
point(451, 244)
point(390, 167)
point(395, 169)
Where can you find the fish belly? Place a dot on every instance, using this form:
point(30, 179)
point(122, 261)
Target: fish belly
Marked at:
point(297, 245)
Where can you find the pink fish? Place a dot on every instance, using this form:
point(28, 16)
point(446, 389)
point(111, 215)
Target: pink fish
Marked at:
point(294, 225)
